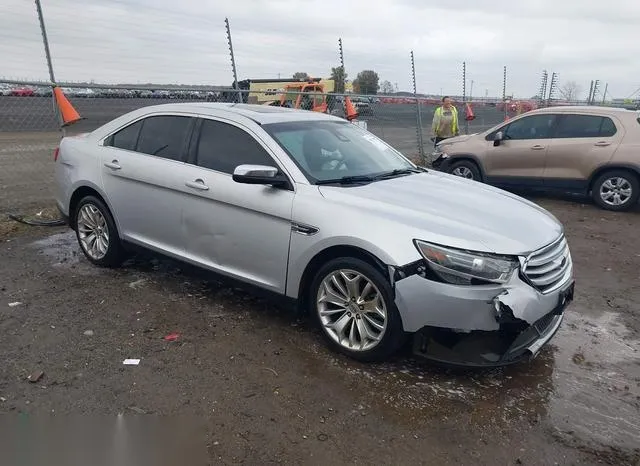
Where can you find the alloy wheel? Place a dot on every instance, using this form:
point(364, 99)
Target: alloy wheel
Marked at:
point(352, 310)
point(93, 231)
point(462, 171)
point(616, 191)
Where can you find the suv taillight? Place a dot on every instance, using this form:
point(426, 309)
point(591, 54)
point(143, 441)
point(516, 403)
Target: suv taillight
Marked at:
point(56, 152)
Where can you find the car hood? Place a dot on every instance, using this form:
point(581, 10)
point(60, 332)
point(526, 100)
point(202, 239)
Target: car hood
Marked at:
point(453, 211)
point(456, 139)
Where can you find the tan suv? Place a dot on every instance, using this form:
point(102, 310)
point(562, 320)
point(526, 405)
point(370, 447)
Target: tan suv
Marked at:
point(584, 150)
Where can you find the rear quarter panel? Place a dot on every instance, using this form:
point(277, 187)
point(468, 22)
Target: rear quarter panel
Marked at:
point(77, 166)
point(628, 153)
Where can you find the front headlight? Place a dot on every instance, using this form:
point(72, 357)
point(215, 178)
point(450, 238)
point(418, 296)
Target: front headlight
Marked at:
point(460, 267)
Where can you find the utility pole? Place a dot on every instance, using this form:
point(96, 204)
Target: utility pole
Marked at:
point(552, 87)
point(236, 85)
point(543, 87)
point(590, 93)
point(596, 88)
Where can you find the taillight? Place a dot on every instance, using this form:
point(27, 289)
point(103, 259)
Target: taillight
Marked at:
point(56, 152)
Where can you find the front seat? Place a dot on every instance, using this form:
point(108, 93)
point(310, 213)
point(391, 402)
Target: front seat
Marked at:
point(312, 152)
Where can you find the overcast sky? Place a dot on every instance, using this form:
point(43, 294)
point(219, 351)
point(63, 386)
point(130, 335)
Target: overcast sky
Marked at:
point(183, 41)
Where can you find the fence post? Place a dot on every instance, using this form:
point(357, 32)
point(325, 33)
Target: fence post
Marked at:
point(52, 78)
point(342, 77)
point(418, 111)
point(464, 94)
point(45, 41)
point(504, 92)
point(236, 85)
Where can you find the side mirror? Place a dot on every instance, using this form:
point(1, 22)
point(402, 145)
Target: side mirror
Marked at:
point(498, 138)
point(259, 174)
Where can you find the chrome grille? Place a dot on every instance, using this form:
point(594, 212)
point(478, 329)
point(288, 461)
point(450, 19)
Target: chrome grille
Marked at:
point(550, 267)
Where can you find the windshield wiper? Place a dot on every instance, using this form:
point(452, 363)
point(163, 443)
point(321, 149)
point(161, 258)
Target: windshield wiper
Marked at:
point(348, 180)
point(398, 172)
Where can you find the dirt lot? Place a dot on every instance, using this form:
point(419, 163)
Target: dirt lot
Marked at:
point(257, 386)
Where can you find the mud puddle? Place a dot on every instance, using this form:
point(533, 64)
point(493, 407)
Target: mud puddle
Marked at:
point(61, 249)
point(584, 386)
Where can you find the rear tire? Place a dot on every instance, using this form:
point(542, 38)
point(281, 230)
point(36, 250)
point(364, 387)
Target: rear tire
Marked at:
point(353, 304)
point(465, 169)
point(616, 190)
point(97, 233)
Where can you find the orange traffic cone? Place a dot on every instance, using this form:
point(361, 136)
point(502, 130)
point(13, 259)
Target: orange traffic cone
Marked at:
point(468, 113)
point(67, 112)
point(350, 110)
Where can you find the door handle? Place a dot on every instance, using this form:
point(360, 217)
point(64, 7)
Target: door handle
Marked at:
point(197, 184)
point(538, 147)
point(113, 165)
point(602, 143)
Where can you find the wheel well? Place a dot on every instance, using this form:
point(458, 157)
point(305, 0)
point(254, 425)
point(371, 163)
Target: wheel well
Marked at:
point(77, 195)
point(325, 256)
point(468, 158)
point(608, 168)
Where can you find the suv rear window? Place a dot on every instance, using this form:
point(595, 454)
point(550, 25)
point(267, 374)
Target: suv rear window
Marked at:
point(585, 126)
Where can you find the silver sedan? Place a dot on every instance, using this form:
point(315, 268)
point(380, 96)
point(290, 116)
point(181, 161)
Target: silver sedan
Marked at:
point(318, 210)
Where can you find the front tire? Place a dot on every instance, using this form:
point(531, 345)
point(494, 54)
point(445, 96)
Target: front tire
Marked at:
point(616, 190)
point(353, 304)
point(97, 233)
point(465, 169)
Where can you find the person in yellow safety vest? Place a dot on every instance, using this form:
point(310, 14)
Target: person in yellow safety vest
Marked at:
point(445, 121)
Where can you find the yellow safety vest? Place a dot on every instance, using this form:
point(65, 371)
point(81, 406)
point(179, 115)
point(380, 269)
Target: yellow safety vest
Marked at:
point(454, 122)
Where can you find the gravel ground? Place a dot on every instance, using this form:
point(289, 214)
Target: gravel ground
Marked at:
point(254, 384)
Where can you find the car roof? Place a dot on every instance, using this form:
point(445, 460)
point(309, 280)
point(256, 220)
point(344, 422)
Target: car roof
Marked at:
point(259, 113)
point(583, 109)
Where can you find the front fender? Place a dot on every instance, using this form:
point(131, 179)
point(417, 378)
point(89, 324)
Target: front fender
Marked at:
point(304, 248)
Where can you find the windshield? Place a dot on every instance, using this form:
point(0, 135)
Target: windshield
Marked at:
point(328, 150)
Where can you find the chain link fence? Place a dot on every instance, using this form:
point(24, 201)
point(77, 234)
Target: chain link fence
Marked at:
point(30, 131)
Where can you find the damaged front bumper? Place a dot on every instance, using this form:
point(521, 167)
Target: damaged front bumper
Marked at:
point(480, 326)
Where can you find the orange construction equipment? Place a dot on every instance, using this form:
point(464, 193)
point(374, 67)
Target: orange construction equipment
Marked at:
point(349, 109)
point(306, 95)
point(68, 114)
point(468, 113)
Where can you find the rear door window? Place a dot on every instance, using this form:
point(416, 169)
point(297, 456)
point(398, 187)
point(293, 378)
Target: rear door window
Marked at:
point(127, 137)
point(164, 136)
point(585, 126)
point(608, 128)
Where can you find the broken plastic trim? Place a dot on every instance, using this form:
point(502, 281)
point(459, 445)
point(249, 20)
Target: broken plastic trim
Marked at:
point(511, 344)
point(516, 340)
